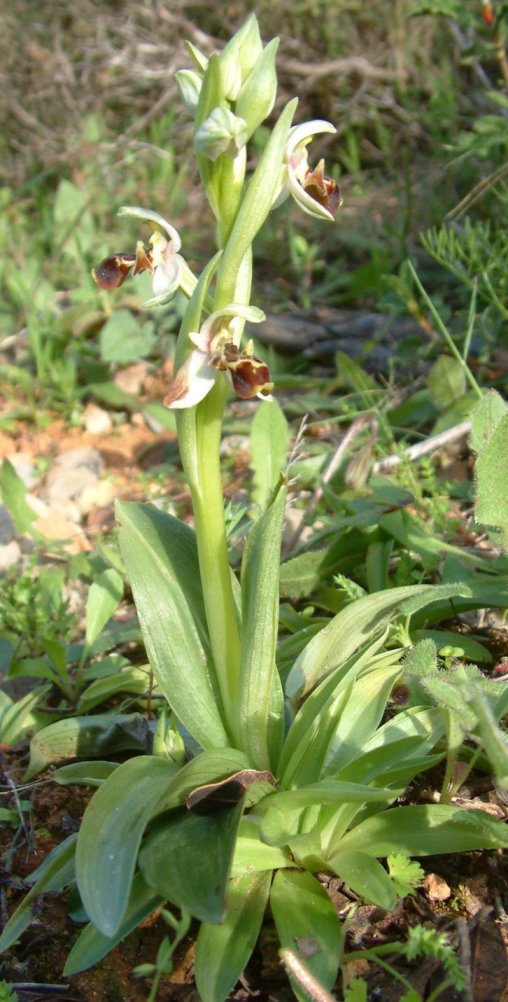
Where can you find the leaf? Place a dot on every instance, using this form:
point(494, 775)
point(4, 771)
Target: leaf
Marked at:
point(491, 506)
point(82, 737)
point(405, 873)
point(14, 498)
point(485, 418)
point(426, 830)
point(222, 951)
point(128, 680)
point(55, 873)
point(269, 444)
point(123, 339)
point(300, 576)
point(260, 698)
point(353, 626)
point(307, 924)
point(17, 718)
point(104, 597)
point(360, 716)
point(187, 860)
point(365, 876)
point(91, 945)
point(251, 854)
point(84, 773)
point(110, 836)
point(446, 381)
point(161, 558)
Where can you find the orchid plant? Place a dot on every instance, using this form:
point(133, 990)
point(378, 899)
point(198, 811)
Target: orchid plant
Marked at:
point(252, 787)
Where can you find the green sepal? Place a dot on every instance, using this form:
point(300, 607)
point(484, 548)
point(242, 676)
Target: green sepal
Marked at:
point(187, 860)
point(307, 924)
point(222, 951)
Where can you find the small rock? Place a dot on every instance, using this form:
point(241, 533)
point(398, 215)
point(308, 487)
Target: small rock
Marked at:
point(9, 555)
point(436, 888)
point(24, 467)
point(97, 421)
point(7, 529)
point(131, 379)
point(66, 532)
point(72, 473)
point(97, 495)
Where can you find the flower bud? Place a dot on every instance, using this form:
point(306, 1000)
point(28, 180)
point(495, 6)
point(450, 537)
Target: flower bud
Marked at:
point(239, 57)
point(222, 132)
point(257, 96)
point(189, 87)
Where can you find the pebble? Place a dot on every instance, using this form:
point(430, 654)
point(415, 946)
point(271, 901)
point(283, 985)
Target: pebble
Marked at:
point(71, 473)
point(131, 379)
point(10, 553)
point(97, 495)
point(24, 467)
point(97, 421)
point(7, 529)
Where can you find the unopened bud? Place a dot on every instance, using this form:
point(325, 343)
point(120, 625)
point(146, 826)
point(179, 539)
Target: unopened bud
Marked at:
point(222, 132)
point(189, 87)
point(257, 96)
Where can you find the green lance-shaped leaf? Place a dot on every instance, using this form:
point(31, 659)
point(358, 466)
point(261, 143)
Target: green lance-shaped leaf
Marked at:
point(424, 830)
point(187, 860)
point(104, 596)
point(260, 705)
point(491, 475)
point(110, 836)
point(86, 737)
point(91, 946)
point(13, 492)
point(269, 443)
point(211, 96)
point(307, 924)
point(349, 629)
point(222, 951)
point(162, 563)
point(255, 206)
point(365, 876)
point(55, 873)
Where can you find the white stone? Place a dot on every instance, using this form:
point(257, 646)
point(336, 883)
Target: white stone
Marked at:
point(9, 555)
point(97, 421)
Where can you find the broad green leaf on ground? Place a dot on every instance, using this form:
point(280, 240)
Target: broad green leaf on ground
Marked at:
point(84, 773)
point(104, 597)
point(55, 873)
point(223, 951)
point(187, 858)
point(425, 830)
point(110, 835)
point(307, 924)
point(161, 558)
point(91, 945)
point(124, 339)
point(86, 737)
point(17, 717)
point(365, 876)
point(446, 381)
point(251, 854)
point(269, 443)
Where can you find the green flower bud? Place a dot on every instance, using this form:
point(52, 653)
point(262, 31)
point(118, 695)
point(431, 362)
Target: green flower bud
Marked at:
point(189, 87)
point(222, 132)
point(200, 61)
point(257, 96)
point(239, 57)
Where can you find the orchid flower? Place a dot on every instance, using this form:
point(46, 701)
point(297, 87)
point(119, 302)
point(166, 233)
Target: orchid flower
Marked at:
point(216, 350)
point(315, 193)
point(161, 258)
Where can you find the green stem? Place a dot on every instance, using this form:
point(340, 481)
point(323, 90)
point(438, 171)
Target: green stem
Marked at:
point(216, 579)
point(447, 336)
